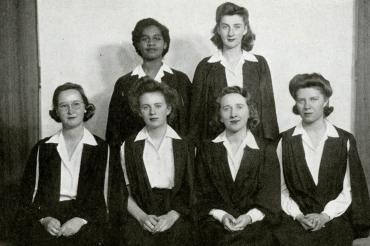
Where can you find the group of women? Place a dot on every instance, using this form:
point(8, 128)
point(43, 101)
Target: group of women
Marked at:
point(196, 163)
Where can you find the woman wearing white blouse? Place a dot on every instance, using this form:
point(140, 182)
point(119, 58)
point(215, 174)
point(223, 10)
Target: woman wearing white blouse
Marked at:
point(65, 185)
point(237, 177)
point(323, 189)
point(157, 167)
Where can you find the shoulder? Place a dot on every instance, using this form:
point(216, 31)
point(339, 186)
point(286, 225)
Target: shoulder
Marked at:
point(179, 73)
point(125, 80)
point(288, 133)
point(204, 63)
point(345, 135)
point(100, 141)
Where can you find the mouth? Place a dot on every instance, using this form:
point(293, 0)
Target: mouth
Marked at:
point(151, 50)
point(230, 39)
point(233, 122)
point(153, 119)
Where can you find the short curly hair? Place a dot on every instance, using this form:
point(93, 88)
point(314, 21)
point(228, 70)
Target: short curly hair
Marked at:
point(307, 80)
point(138, 32)
point(89, 107)
point(233, 9)
point(147, 84)
point(253, 119)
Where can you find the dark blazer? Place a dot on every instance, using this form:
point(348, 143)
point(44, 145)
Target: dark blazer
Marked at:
point(141, 191)
point(123, 122)
point(257, 183)
point(311, 198)
point(210, 79)
point(89, 204)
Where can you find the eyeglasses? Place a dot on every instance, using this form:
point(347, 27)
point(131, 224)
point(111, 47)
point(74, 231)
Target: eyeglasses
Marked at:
point(75, 105)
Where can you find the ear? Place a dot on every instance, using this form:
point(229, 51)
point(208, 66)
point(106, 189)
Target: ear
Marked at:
point(245, 29)
point(169, 110)
point(165, 45)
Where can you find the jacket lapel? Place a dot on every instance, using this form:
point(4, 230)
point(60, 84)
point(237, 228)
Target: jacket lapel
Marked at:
point(87, 168)
point(179, 162)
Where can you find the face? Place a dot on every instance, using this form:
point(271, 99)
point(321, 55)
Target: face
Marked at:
point(310, 103)
point(231, 30)
point(152, 44)
point(154, 109)
point(71, 108)
point(234, 112)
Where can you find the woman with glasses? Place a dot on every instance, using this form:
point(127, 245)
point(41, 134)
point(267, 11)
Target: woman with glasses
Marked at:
point(65, 184)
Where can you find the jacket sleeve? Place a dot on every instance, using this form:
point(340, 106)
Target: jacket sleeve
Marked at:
point(268, 197)
point(268, 115)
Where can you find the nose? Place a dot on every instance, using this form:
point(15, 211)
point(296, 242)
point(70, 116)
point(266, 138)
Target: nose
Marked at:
point(150, 42)
point(69, 109)
point(231, 31)
point(152, 111)
point(307, 105)
point(232, 112)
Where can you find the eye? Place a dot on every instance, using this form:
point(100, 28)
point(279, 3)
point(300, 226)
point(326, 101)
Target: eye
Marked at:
point(145, 108)
point(76, 105)
point(158, 38)
point(158, 106)
point(144, 39)
point(239, 106)
point(63, 106)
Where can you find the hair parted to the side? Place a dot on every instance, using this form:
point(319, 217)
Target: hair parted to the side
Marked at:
point(138, 32)
point(233, 9)
point(253, 119)
point(147, 84)
point(89, 107)
point(307, 80)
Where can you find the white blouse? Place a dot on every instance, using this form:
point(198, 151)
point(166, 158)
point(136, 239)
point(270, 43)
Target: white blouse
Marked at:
point(159, 163)
point(313, 155)
point(139, 71)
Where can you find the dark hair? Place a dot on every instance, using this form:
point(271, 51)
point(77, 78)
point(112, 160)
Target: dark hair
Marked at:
point(147, 84)
point(306, 80)
point(233, 9)
point(253, 119)
point(89, 107)
point(138, 32)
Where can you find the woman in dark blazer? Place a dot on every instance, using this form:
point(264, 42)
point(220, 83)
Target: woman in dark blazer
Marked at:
point(237, 178)
point(232, 65)
point(158, 168)
point(66, 183)
point(323, 190)
point(151, 40)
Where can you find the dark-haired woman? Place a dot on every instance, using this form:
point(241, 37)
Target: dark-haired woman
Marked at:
point(158, 169)
point(237, 178)
point(323, 190)
point(232, 65)
point(65, 184)
point(151, 40)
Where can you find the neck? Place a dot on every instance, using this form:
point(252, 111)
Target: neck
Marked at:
point(73, 133)
point(236, 137)
point(233, 53)
point(157, 133)
point(316, 126)
point(152, 66)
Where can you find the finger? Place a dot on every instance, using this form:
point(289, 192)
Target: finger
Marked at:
point(147, 228)
point(154, 220)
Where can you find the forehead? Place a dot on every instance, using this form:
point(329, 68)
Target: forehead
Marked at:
point(232, 19)
point(152, 97)
point(69, 95)
point(231, 99)
point(151, 30)
point(309, 92)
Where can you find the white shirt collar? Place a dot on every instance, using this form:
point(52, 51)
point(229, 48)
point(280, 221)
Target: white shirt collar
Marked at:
point(139, 71)
point(218, 57)
point(170, 133)
point(87, 138)
point(249, 140)
point(330, 130)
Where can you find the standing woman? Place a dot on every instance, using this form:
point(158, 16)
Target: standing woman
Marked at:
point(151, 40)
point(237, 184)
point(232, 65)
point(323, 189)
point(65, 185)
point(158, 169)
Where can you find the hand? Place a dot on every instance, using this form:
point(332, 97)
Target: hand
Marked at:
point(318, 220)
point(148, 222)
point(71, 227)
point(242, 221)
point(166, 221)
point(229, 222)
point(305, 222)
point(51, 225)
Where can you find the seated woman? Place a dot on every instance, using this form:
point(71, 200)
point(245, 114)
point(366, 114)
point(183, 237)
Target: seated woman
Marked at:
point(237, 178)
point(323, 188)
point(64, 188)
point(158, 170)
point(151, 40)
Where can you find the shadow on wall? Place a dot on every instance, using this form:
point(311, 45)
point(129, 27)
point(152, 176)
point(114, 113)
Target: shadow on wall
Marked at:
point(118, 60)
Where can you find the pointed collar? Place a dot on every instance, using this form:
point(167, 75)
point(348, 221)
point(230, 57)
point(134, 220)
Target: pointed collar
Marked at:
point(330, 130)
point(139, 71)
point(249, 140)
point(170, 133)
point(218, 57)
point(87, 138)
